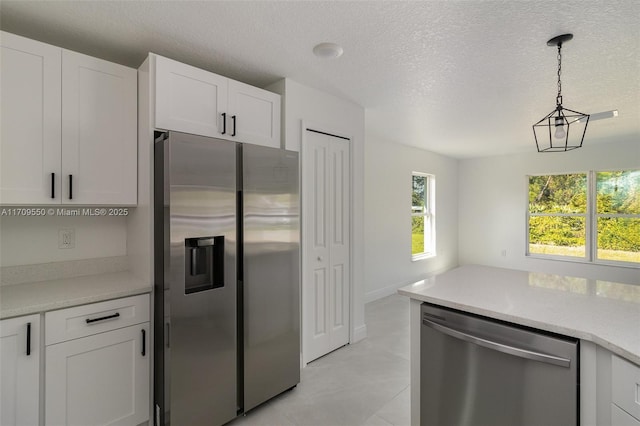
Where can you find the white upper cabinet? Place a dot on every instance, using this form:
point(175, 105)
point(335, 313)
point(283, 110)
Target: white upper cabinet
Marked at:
point(30, 121)
point(69, 127)
point(191, 100)
point(255, 114)
point(99, 132)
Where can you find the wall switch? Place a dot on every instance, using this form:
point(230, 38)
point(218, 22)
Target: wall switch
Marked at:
point(67, 238)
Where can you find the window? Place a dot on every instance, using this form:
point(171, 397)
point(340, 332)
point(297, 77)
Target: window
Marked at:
point(423, 239)
point(591, 216)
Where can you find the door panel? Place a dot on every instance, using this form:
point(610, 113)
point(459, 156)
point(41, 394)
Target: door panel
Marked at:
point(30, 121)
point(257, 115)
point(271, 281)
point(98, 380)
point(203, 335)
point(20, 384)
point(326, 275)
point(189, 99)
point(99, 138)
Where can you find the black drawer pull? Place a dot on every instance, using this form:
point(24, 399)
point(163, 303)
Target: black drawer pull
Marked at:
point(28, 338)
point(144, 342)
point(53, 185)
point(233, 117)
point(92, 320)
point(71, 187)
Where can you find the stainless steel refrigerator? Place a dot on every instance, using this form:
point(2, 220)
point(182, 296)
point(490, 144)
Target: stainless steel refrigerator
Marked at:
point(227, 253)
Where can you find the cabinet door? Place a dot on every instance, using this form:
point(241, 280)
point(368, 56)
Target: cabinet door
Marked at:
point(99, 132)
point(30, 121)
point(190, 100)
point(254, 115)
point(101, 379)
point(20, 371)
point(620, 417)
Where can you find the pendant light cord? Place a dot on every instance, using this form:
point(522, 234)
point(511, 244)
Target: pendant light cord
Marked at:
point(559, 97)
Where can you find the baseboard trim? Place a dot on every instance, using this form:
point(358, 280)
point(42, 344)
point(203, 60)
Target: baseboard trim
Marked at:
point(382, 292)
point(359, 333)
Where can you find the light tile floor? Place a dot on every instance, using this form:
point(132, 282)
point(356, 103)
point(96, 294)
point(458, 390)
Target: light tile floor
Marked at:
point(366, 383)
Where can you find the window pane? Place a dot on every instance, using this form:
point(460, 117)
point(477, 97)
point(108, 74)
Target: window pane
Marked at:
point(619, 239)
point(417, 197)
point(618, 192)
point(557, 235)
point(558, 193)
point(417, 234)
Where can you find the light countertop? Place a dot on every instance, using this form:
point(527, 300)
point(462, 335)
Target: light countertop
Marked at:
point(602, 312)
point(37, 297)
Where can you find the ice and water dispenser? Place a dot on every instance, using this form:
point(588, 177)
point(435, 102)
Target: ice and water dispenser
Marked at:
point(204, 264)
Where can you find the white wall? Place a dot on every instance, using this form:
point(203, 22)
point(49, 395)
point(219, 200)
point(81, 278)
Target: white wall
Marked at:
point(322, 111)
point(33, 240)
point(493, 202)
point(387, 221)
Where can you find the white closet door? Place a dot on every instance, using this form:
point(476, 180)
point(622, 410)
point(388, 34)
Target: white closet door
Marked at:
point(326, 264)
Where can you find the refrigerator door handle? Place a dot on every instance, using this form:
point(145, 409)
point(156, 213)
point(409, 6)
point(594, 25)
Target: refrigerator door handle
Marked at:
point(511, 350)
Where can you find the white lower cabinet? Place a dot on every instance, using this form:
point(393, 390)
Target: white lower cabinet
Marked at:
point(101, 378)
point(20, 371)
point(625, 392)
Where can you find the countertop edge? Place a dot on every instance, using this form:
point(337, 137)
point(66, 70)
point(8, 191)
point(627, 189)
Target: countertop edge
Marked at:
point(37, 298)
point(579, 334)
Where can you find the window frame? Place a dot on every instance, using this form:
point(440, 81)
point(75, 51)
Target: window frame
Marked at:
point(429, 215)
point(591, 223)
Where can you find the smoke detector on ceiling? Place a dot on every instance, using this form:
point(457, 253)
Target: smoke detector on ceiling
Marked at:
point(328, 50)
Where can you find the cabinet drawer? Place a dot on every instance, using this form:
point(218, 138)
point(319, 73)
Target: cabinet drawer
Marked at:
point(81, 321)
point(625, 385)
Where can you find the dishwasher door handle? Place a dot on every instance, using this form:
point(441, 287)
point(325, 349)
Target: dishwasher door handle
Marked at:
point(522, 353)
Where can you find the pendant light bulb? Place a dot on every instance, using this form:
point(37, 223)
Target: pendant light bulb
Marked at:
point(559, 133)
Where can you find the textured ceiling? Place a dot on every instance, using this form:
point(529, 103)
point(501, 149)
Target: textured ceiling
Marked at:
point(461, 78)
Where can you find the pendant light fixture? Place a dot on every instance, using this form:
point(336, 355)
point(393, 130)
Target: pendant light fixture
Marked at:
point(562, 129)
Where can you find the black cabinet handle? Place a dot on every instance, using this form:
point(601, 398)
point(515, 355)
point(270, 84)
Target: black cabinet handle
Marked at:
point(28, 338)
point(224, 123)
point(144, 342)
point(233, 117)
point(71, 187)
point(53, 185)
point(92, 320)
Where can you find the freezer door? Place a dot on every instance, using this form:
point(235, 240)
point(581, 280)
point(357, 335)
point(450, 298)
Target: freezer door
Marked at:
point(200, 281)
point(271, 282)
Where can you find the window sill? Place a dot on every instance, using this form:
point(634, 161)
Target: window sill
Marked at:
point(585, 261)
point(422, 256)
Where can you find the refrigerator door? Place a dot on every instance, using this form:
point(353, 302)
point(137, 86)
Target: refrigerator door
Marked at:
point(271, 284)
point(200, 350)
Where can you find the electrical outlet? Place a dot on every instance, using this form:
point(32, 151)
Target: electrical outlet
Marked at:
point(67, 238)
point(503, 253)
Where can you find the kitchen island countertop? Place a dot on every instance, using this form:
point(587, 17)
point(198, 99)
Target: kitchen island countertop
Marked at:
point(603, 312)
point(38, 297)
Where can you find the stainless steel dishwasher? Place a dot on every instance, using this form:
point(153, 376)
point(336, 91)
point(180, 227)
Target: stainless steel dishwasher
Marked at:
point(477, 371)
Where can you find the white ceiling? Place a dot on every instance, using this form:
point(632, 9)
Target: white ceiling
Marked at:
point(461, 78)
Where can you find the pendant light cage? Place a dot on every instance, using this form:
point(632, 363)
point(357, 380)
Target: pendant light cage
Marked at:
point(562, 129)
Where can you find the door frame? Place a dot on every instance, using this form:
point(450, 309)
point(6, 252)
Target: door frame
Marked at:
point(307, 125)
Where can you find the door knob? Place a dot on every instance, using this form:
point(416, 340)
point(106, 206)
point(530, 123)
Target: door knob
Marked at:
point(319, 258)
